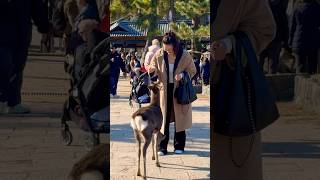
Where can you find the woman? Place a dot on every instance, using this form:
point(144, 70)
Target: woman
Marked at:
point(163, 64)
point(305, 35)
point(253, 17)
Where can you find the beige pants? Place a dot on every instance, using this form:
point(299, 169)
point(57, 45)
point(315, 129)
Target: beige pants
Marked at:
point(224, 168)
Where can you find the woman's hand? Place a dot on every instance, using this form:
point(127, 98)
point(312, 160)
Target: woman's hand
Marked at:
point(179, 77)
point(151, 69)
point(219, 50)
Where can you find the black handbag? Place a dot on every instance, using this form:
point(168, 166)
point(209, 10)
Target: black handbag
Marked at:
point(243, 104)
point(185, 92)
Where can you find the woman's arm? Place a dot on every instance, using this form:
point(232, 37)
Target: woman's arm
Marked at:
point(258, 23)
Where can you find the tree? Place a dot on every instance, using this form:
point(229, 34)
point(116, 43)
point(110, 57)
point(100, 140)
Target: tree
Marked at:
point(146, 13)
point(194, 10)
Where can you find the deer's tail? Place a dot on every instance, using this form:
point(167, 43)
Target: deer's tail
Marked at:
point(137, 123)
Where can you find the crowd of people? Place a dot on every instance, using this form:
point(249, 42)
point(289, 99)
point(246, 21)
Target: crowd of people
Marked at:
point(132, 64)
point(297, 36)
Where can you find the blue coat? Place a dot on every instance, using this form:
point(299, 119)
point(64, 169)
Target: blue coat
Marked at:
point(205, 71)
point(117, 65)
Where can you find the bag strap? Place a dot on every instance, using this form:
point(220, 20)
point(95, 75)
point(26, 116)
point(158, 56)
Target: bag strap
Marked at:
point(240, 42)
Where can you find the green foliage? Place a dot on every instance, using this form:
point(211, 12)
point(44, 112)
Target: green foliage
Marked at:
point(192, 8)
point(147, 14)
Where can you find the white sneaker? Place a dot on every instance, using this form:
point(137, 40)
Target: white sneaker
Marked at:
point(160, 153)
point(178, 152)
point(19, 109)
point(3, 108)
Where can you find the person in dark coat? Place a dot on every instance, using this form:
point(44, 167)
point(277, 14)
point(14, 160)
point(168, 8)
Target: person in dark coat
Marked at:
point(272, 52)
point(197, 75)
point(16, 17)
point(116, 64)
point(205, 71)
point(305, 35)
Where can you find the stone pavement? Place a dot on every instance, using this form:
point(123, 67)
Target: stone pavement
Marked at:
point(194, 164)
point(291, 146)
point(30, 145)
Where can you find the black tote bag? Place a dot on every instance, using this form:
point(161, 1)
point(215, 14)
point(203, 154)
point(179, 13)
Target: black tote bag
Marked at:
point(243, 104)
point(185, 92)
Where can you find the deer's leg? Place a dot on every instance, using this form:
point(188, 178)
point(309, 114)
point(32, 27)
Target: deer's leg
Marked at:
point(144, 154)
point(139, 150)
point(153, 147)
point(157, 138)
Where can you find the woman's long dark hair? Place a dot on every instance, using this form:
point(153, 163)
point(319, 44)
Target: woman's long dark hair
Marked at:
point(170, 38)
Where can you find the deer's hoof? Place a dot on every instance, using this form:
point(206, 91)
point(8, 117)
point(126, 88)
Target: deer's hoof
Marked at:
point(145, 177)
point(153, 158)
point(158, 164)
point(138, 173)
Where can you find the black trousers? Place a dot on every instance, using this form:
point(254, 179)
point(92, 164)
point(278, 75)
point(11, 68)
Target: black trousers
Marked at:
point(179, 137)
point(12, 63)
point(306, 62)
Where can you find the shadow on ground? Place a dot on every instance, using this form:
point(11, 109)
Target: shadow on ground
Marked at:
point(198, 134)
point(308, 149)
point(201, 108)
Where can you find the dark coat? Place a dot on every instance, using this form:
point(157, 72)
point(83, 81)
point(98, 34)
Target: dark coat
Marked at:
point(205, 71)
point(16, 17)
point(279, 8)
point(116, 65)
point(197, 64)
point(305, 32)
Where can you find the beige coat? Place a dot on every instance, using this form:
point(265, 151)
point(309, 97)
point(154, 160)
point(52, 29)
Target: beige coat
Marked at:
point(255, 19)
point(182, 113)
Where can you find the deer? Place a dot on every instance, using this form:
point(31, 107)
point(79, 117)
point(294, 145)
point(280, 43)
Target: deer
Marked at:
point(146, 123)
point(94, 165)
